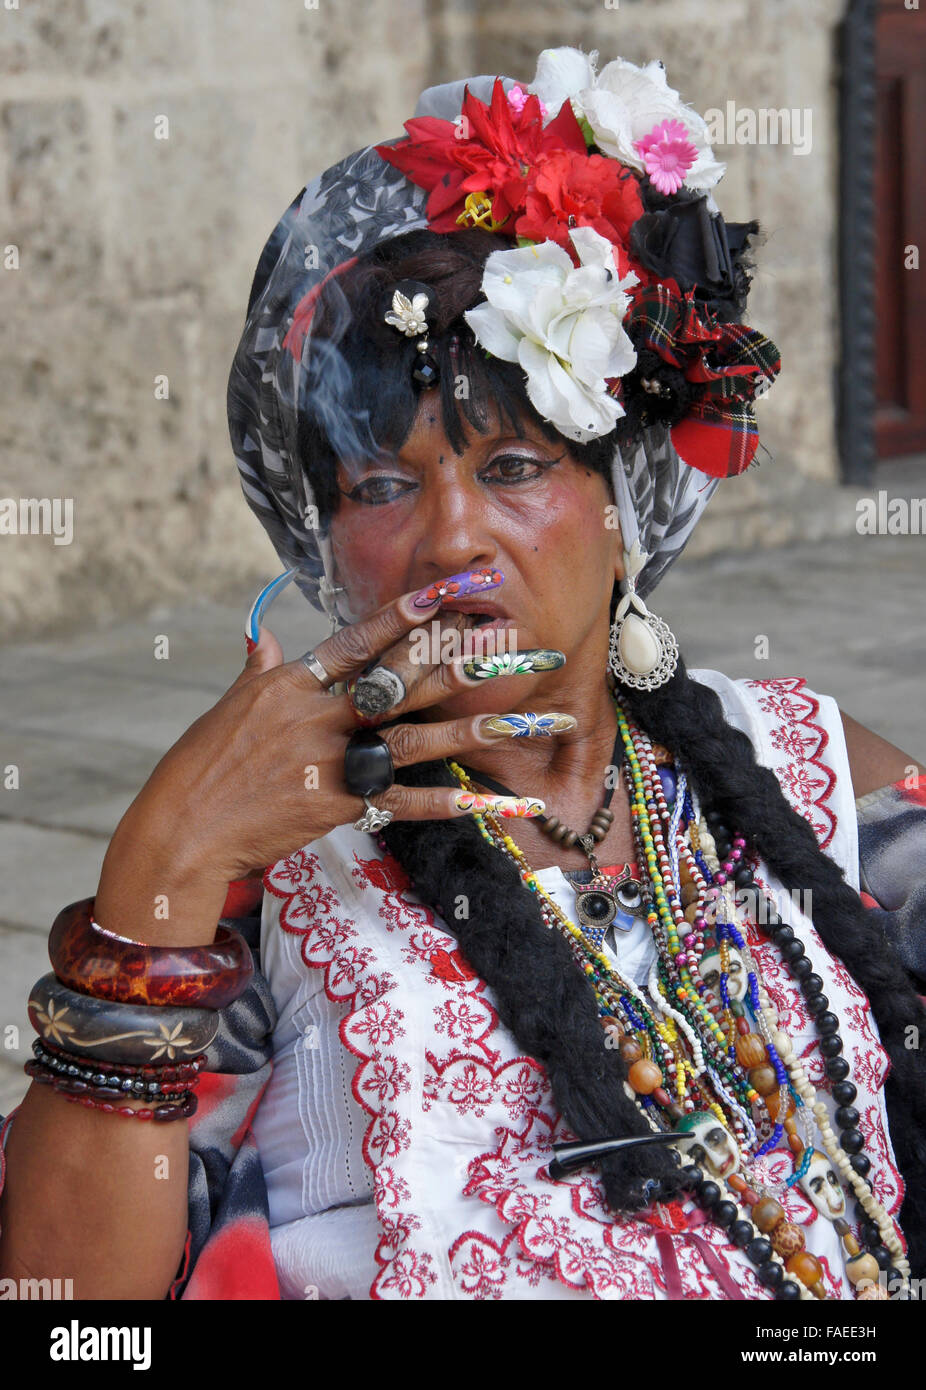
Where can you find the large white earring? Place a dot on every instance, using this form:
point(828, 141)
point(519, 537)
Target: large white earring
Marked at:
point(642, 651)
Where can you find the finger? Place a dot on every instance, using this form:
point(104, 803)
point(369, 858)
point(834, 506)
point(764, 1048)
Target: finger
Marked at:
point(383, 685)
point(421, 743)
point(465, 674)
point(263, 655)
point(446, 803)
point(353, 647)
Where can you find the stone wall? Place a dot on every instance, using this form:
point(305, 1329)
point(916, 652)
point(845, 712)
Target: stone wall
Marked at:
point(135, 252)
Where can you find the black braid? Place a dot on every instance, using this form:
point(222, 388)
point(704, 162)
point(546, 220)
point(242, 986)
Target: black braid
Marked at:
point(548, 1004)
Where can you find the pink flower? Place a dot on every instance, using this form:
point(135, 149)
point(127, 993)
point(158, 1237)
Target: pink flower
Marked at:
point(517, 97)
point(667, 153)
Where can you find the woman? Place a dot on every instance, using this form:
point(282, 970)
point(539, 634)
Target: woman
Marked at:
point(489, 378)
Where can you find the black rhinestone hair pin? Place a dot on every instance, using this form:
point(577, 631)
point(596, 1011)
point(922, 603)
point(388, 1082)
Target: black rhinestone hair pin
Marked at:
point(408, 314)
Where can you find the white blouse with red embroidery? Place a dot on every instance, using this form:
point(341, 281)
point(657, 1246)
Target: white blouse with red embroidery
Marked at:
point(404, 1137)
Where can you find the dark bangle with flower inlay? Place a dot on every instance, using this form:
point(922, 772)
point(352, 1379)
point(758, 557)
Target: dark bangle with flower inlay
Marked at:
point(131, 1033)
point(91, 960)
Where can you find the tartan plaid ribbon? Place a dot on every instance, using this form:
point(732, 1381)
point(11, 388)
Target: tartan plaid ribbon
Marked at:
point(730, 362)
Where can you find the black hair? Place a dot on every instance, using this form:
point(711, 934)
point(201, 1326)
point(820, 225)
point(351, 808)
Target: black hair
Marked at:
point(542, 998)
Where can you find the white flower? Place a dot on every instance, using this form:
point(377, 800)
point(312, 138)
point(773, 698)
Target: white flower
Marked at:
point(623, 103)
point(563, 324)
point(562, 73)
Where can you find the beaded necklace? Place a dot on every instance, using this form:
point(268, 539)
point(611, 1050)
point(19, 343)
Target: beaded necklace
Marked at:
point(694, 1063)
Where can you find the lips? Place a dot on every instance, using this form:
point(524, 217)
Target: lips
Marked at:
point(475, 609)
point(478, 613)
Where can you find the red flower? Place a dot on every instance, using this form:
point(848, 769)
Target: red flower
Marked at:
point(494, 149)
point(570, 190)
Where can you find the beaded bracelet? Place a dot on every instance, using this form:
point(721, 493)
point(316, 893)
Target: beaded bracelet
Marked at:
point(91, 960)
point(75, 1085)
point(162, 1114)
point(186, 1071)
point(114, 1084)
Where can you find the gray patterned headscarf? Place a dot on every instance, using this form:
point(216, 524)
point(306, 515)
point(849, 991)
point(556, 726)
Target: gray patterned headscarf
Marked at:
point(343, 213)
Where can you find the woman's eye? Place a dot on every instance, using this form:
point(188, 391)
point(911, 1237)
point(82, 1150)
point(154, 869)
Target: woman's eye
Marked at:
point(377, 491)
point(516, 468)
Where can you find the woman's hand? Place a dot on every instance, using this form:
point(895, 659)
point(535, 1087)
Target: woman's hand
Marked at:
point(262, 772)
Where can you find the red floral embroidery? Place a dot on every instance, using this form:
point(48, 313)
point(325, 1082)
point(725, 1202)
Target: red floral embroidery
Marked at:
point(385, 1078)
point(451, 966)
point(480, 1265)
point(805, 779)
point(390, 1134)
point(385, 874)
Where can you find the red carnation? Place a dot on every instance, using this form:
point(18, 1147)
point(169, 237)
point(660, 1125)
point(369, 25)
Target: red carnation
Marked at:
point(494, 150)
point(570, 190)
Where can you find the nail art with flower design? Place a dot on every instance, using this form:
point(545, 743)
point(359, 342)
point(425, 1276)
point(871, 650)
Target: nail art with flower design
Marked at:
point(513, 663)
point(505, 806)
point(458, 586)
point(527, 725)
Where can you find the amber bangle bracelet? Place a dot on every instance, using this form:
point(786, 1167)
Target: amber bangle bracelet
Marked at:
point(91, 960)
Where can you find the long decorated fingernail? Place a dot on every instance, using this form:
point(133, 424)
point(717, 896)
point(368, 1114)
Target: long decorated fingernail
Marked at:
point(506, 806)
point(260, 605)
point(481, 668)
point(526, 725)
point(458, 586)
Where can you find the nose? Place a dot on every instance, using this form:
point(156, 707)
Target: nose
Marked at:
point(455, 530)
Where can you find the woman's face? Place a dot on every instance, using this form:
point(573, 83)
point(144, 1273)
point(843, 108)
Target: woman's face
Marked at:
point(517, 502)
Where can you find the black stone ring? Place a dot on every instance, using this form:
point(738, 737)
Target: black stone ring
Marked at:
point(368, 765)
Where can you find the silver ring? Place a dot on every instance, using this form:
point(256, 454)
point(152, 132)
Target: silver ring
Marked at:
point(373, 818)
point(311, 663)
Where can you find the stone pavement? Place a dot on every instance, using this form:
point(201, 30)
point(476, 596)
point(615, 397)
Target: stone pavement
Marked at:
point(85, 717)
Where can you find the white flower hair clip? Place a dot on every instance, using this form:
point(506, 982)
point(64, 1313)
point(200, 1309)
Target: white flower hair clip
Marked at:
point(409, 315)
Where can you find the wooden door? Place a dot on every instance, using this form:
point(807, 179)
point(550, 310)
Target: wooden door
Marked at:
point(900, 229)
